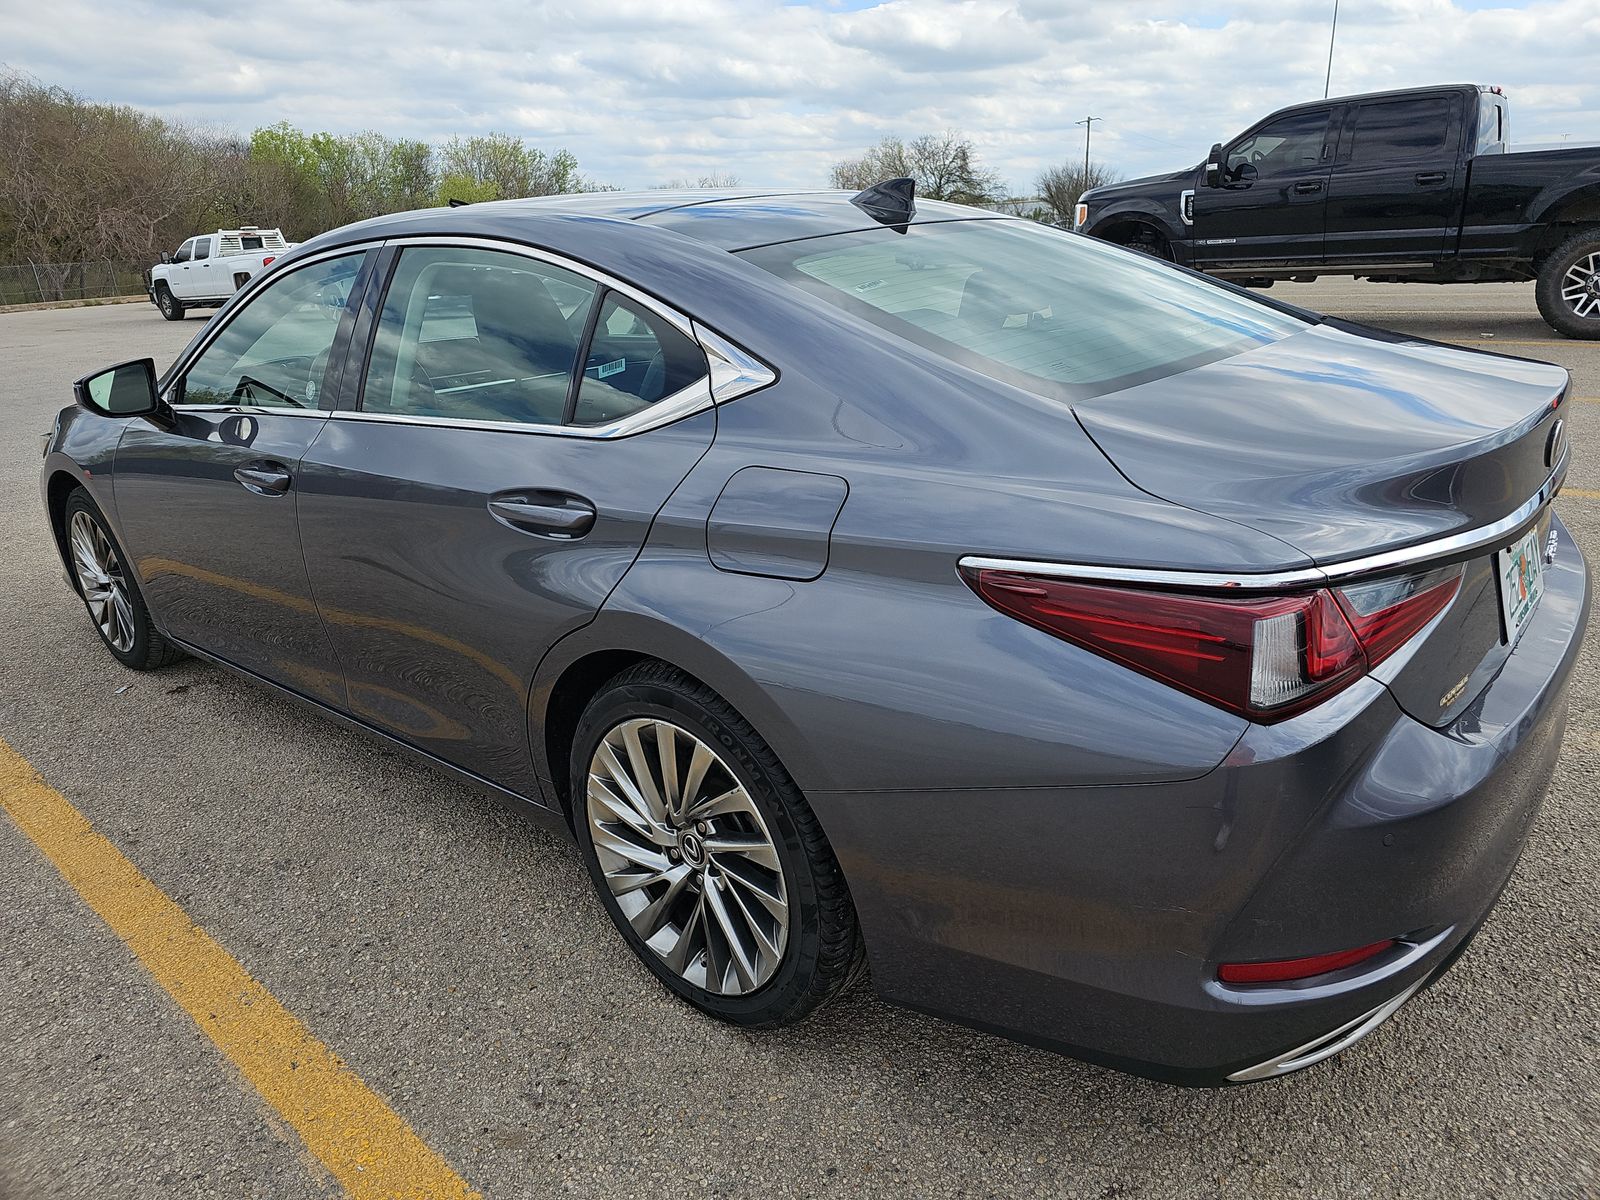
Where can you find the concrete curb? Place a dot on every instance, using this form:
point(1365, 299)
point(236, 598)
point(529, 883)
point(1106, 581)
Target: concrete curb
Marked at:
point(92, 303)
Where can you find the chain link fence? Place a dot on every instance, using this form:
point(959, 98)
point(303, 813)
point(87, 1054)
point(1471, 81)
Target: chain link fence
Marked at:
point(33, 283)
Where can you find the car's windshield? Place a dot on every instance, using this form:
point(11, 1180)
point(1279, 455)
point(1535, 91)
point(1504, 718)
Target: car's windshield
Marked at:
point(1047, 310)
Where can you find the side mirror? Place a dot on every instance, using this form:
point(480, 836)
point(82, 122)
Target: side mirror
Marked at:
point(165, 257)
point(1213, 176)
point(125, 390)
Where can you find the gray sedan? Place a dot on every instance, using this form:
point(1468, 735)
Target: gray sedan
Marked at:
point(1105, 656)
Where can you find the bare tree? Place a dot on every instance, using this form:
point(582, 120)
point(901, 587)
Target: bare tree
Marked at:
point(717, 179)
point(945, 166)
point(1060, 187)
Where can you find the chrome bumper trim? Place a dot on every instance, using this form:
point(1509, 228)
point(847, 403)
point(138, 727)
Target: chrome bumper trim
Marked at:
point(1328, 1044)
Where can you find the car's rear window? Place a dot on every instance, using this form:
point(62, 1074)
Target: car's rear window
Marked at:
point(1026, 304)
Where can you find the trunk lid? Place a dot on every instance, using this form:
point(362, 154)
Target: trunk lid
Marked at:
point(1347, 444)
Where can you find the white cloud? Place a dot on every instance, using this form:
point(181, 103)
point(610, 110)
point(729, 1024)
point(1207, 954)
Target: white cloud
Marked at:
point(646, 90)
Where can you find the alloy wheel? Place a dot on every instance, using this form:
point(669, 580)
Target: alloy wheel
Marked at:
point(101, 579)
point(1580, 286)
point(687, 856)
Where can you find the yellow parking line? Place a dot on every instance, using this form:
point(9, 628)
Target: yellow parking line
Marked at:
point(364, 1143)
point(1585, 493)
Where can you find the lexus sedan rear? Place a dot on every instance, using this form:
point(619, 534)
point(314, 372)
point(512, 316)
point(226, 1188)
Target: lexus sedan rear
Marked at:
point(1104, 656)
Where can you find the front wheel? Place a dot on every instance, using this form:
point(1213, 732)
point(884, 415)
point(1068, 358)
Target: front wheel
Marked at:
point(705, 854)
point(171, 307)
point(1568, 288)
point(109, 591)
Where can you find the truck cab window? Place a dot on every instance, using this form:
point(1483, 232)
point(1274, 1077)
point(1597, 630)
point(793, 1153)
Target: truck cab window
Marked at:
point(202, 248)
point(184, 252)
point(1401, 129)
point(1288, 146)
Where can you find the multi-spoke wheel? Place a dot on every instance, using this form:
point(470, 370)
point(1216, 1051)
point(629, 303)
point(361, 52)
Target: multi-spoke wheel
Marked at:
point(100, 578)
point(704, 852)
point(1568, 289)
point(108, 589)
point(687, 856)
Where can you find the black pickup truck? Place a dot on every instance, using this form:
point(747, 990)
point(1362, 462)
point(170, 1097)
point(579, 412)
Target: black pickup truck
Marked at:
point(1417, 185)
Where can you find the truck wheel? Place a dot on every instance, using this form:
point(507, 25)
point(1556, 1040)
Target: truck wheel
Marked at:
point(1147, 241)
point(1568, 291)
point(171, 307)
point(239, 280)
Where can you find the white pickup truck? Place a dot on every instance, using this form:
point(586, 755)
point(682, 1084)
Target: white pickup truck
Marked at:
point(209, 268)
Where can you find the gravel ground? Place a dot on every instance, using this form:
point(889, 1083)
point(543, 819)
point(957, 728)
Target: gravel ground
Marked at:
point(454, 957)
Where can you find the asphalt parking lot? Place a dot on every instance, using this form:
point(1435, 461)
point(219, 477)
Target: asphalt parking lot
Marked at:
point(454, 958)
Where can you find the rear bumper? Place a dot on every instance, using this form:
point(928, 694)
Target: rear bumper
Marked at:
point(1091, 920)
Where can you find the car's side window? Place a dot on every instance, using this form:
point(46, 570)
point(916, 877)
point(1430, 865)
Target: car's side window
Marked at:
point(274, 352)
point(635, 359)
point(1401, 129)
point(183, 252)
point(1287, 146)
point(477, 335)
point(202, 248)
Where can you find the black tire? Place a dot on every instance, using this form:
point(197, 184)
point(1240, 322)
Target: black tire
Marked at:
point(824, 950)
point(147, 649)
point(239, 280)
point(171, 307)
point(1580, 254)
point(1148, 241)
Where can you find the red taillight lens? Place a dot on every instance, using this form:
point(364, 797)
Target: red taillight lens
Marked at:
point(1264, 657)
point(269, 260)
point(1387, 614)
point(1299, 968)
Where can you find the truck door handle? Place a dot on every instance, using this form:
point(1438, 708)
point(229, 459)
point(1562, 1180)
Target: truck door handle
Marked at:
point(1427, 177)
point(545, 513)
point(1307, 186)
point(263, 477)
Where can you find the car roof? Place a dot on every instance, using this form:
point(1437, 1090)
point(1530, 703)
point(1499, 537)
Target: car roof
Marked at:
point(731, 218)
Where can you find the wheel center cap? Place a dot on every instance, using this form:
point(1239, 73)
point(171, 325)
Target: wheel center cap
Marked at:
point(694, 850)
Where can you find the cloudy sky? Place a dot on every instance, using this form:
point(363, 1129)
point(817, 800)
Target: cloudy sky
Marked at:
point(647, 90)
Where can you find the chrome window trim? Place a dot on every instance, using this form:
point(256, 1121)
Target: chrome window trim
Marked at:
point(732, 371)
point(1486, 536)
point(685, 402)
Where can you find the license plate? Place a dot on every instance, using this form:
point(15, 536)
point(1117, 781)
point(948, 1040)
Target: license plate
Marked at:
point(1521, 571)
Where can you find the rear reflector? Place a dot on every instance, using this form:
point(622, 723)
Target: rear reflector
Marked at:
point(1265, 656)
point(1299, 968)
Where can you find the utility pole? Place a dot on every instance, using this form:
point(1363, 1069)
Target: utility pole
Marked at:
point(1088, 128)
point(1331, 32)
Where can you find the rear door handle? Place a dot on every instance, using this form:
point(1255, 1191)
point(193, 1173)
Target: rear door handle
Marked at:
point(545, 513)
point(1427, 177)
point(263, 477)
point(1307, 186)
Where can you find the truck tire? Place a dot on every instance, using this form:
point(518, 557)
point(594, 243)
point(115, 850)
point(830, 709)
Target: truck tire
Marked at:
point(171, 307)
point(1144, 240)
point(1568, 290)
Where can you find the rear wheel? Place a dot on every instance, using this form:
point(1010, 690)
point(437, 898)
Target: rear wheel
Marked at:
point(109, 592)
point(171, 307)
point(1568, 288)
point(705, 854)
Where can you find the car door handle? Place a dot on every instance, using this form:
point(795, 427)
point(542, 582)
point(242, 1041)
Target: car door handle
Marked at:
point(1427, 177)
point(546, 513)
point(1307, 186)
point(263, 478)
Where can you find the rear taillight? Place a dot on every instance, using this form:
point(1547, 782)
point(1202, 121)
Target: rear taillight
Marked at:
point(269, 260)
point(1264, 656)
point(1387, 614)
